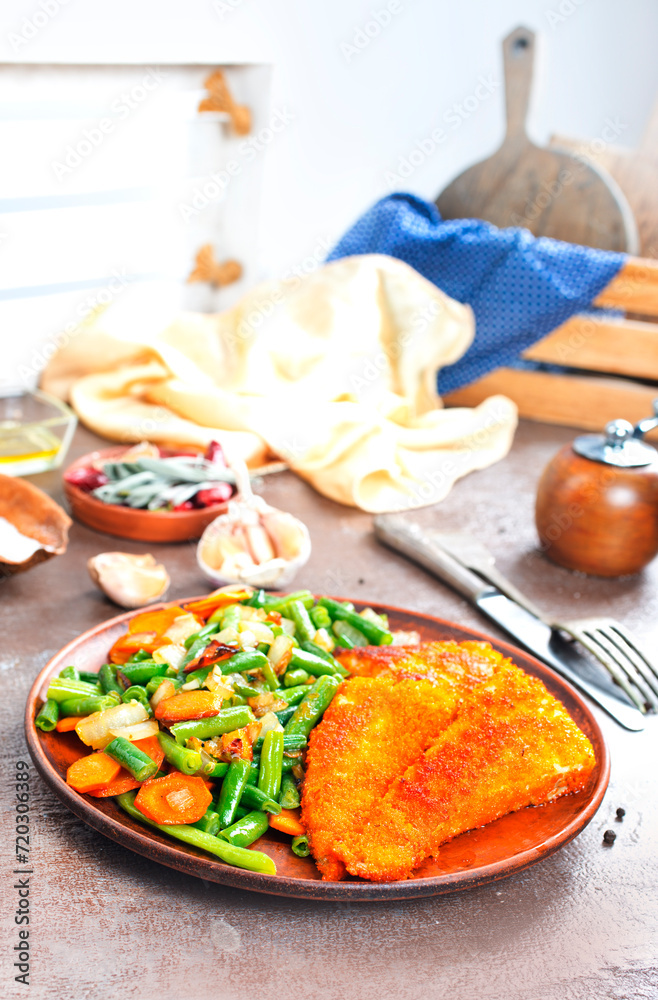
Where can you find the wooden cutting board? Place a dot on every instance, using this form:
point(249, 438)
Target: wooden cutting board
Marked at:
point(634, 170)
point(548, 191)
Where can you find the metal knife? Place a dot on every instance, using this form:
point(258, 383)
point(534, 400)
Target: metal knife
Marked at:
point(529, 630)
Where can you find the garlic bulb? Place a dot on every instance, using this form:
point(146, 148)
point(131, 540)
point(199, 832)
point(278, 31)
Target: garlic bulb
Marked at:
point(130, 581)
point(255, 544)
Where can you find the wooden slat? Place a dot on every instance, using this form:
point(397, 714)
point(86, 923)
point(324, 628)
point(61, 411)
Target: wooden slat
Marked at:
point(635, 288)
point(587, 402)
point(620, 347)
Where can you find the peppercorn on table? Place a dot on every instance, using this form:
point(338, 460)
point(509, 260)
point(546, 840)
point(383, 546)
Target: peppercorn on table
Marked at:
point(110, 924)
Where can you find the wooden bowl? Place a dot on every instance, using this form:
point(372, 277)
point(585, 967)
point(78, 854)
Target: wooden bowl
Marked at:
point(35, 515)
point(127, 522)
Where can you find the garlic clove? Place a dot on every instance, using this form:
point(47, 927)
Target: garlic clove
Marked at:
point(255, 544)
point(131, 581)
point(285, 532)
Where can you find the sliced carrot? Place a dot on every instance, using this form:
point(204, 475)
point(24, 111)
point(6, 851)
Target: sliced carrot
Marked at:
point(129, 643)
point(189, 705)
point(155, 621)
point(69, 723)
point(205, 607)
point(176, 798)
point(124, 781)
point(92, 772)
point(288, 821)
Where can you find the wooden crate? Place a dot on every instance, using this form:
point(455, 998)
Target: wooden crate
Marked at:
point(612, 361)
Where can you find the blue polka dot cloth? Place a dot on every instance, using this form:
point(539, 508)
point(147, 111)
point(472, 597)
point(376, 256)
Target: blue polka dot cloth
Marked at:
point(519, 286)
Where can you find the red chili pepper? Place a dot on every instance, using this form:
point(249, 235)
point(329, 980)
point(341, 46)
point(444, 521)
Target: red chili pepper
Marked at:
point(214, 495)
point(215, 453)
point(86, 478)
point(187, 505)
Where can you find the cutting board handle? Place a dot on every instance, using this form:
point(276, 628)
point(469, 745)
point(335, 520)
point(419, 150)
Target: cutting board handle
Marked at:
point(518, 59)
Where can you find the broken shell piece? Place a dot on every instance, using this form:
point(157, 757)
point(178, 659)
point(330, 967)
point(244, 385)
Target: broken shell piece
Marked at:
point(33, 527)
point(255, 544)
point(128, 580)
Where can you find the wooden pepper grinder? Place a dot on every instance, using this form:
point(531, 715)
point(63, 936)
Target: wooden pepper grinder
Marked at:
point(597, 501)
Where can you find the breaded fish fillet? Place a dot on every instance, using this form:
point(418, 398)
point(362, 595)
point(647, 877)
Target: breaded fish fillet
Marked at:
point(372, 731)
point(456, 665)
point(506, 743)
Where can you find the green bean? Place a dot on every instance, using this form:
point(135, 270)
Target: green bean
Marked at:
point(286, 714)
point(197, 675)
point(241, 687)
point(61, 688)
point(71, 673)
point(231, 791)
point(245, 660)
point(312, 664)
point(217, 770)
point(295, 677)
point(289, 761)
point(137, 693)
point(289, 794)
point(304, 627)
point(225, 721)
point(342, 640)
point(279, 603)
point(312, 647)
point(254, 768)
point(257, 600)
point(271, 760)
point(143, 671)
point(155, 682)
point(184, 760)
point(252, 796)
point(140, 765)
point(293, 695)
point(87, 706)
point(195, 650)
point(254, 861)
point(89, 676)
point(289, 743)
point(229, 617)
point(107, 676)
point(270, 675)
point(203, 633)
point(374, 633)
point(320, 617)
point(246, 830)
point(139, 656)
point(344, 630)
point(240, 812)
point(310, 710)
point(48, 715)
point(300, 846)
point(209, 822)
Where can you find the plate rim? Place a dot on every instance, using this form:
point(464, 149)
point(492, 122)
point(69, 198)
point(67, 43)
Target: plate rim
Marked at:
point(149, 843)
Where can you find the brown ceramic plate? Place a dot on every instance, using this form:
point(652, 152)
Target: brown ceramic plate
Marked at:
point(127, 522)
point(492, 852)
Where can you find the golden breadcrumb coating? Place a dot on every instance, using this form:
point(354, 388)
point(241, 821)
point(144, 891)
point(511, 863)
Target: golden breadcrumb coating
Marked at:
point(439, 739)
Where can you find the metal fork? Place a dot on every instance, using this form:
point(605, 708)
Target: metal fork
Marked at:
point(613, 645)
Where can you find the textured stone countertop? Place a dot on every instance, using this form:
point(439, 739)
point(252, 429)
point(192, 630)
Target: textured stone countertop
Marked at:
point(107, 923)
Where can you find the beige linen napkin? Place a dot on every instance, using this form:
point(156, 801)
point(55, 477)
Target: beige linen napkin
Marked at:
point(335, 374)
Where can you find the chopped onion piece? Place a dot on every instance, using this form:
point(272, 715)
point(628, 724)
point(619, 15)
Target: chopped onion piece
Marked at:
point(247, 640)
point(140, 731)
point(164, 690)
point(191, 685)
point(280, 652)
point(182, 627)
point(270, 723)
point(262, 632)
point(227, 636)
point(324, 640)
point(94, 730)
point(172, 654)
point(288, 626)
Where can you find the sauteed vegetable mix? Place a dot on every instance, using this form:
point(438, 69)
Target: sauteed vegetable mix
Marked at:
point(199, 721)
